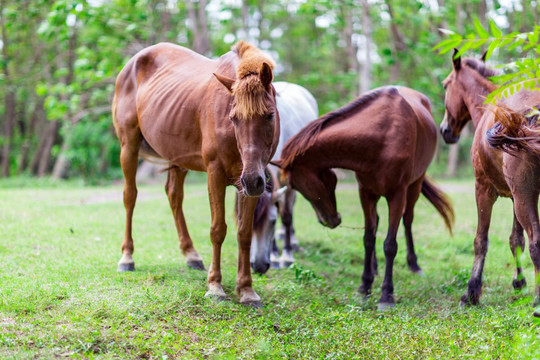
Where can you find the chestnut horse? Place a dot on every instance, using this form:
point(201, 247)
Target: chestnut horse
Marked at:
point(217, 116)
point(497, 173)
point(388, 138)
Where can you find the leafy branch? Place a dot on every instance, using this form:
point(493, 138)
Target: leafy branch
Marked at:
point(523, 73)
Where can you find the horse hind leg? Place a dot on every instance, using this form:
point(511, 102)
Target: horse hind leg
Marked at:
point(175, 192)
point(129, 156)
point(412, 196)
point(396, 208)
point(526, 209)
point(517, 245)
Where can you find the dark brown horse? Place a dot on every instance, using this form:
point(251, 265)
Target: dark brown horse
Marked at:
point(388, 138)
point(217, 116)
point(497, 173)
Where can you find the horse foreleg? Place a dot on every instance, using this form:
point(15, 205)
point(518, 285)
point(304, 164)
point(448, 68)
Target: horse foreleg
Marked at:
point(396, 208)
point(369, 206)
point(485, 198)
point(413, 192)
point(218, 230)
point(517, 245)
point(175, 192)
point(129, 156)
point(287, 257)
point(244, 289)
point(526, 209)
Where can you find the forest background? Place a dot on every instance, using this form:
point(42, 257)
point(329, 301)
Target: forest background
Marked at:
point(59, 61)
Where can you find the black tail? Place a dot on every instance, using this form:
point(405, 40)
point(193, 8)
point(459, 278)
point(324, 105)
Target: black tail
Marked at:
point(440, 201)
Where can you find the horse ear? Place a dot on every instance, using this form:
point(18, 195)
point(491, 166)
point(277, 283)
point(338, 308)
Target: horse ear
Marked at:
point(227, 82)
point(277, 163)
point(483, 58)
point(276, 196)
point(265, 74)
point(456, 61)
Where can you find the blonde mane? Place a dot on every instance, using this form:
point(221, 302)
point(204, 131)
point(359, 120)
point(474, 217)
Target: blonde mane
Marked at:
point(248, 89)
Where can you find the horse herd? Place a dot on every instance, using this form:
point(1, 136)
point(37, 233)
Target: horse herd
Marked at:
point(227, 117)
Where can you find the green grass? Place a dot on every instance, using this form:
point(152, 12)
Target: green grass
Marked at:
point(61, 297)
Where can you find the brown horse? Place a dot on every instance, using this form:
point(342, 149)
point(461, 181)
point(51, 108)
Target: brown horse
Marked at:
point(497, 173)
point(388, 138)
point(217, 116)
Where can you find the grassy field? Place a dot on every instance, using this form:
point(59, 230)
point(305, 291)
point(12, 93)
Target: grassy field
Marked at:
point(61, 297)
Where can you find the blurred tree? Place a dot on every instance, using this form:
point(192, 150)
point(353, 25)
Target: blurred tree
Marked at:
point(60, 59)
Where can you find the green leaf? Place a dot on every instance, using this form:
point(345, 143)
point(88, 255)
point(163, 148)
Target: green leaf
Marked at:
point(482, 33)
point(494, 29)
point(447, 32)
point(533, 38)
point(466, 46)
point(494, 44)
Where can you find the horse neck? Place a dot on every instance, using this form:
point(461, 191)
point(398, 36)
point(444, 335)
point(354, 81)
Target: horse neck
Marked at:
point(478, 88)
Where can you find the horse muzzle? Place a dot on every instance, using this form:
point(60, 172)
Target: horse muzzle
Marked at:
point(260, 267)
point(253, 184)
point(447, 135)
point(332, 222)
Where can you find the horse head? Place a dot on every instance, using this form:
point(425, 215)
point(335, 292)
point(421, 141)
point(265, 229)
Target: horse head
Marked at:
point(456, 114)
point(319, 189)
point(264, 229)
point(254, 115)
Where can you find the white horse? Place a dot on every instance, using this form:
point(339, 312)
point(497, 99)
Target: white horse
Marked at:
point(296, 107)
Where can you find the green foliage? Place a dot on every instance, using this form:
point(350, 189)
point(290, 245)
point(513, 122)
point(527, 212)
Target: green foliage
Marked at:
point(523, 73)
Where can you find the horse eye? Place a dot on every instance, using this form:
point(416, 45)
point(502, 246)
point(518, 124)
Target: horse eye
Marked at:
point(269, 117)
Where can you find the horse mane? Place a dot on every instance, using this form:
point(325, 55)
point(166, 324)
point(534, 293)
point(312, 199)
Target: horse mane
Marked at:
point(515, 130)
point(480, 67)
point(248, 89)
point(302, 141)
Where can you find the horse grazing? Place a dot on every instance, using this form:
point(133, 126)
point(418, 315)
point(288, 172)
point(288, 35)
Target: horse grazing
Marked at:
point(388, 138)
point(217, 116)
point(497, 173)
point(296, 107)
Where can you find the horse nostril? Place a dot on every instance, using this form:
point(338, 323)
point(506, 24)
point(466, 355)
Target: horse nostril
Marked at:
point(260, 182)
point(243, 181)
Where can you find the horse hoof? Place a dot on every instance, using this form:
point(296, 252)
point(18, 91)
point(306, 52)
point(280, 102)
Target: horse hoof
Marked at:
point(385, 306)
point(196, 264)
point(275, 265)
point(286, 264)
point(216, 297)
point(519, 284)
point(419, 272)
point(126, 267)
point(254, 304)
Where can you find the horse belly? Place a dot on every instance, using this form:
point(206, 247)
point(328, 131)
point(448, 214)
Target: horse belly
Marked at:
point(168, 118)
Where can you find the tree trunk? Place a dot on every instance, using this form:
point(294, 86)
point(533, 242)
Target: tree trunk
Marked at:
point(197, 15)
point(9, 100)
point(398, 45)
point(365, 70)
point(43, 153)
point(352, 64)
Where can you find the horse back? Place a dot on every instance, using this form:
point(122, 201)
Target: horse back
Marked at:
point(169, 93)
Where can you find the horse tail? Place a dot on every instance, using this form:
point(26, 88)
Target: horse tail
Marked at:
point(440, 201)
point(514, 131)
